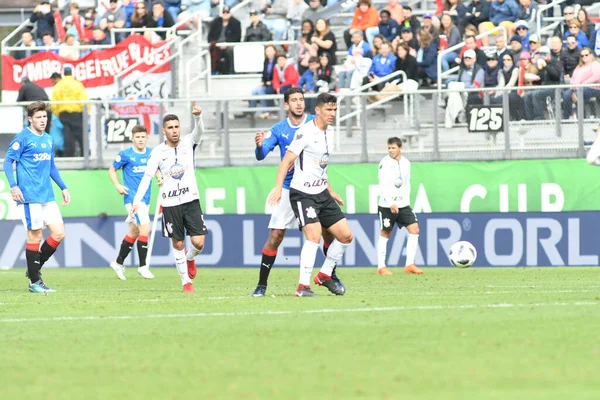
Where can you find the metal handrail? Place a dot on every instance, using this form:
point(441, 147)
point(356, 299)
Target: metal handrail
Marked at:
point(460, 45)
point(273, 42)
point(13, 34)
point(189, 80)
point(58, 47)
point(538, 17)
point(114, 31)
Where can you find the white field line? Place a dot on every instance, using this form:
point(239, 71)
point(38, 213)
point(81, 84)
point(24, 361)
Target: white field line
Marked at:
point(301, 312)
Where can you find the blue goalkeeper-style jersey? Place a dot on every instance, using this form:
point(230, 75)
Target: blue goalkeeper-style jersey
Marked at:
point(134, 167)
point(34, 156)
point(281, 134)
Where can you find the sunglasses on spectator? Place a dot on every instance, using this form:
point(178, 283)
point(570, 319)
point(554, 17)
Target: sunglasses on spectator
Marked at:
point(521, 28)
point(571, 42)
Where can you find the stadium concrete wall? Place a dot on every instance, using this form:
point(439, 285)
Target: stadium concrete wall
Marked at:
point(501, 239)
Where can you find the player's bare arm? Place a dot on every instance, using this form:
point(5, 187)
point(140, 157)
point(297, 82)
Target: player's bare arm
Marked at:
point(66, 197)
point(112, 173)
point(159, 178)
point(259, 138)
point(284, 166)
point(16, 194)
point(336, 197)
point(199, 127)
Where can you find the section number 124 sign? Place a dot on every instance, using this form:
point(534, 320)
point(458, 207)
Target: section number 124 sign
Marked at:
point(482, 118)
point(118, 130)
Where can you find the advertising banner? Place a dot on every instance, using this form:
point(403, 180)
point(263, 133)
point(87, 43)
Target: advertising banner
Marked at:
point(501, 239)
point(96, 70)
point(501, 186)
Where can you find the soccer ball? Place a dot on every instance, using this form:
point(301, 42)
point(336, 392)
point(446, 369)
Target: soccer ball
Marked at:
point(462, 254)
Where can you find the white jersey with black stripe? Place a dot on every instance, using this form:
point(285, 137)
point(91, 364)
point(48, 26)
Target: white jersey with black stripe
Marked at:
point(312, 146)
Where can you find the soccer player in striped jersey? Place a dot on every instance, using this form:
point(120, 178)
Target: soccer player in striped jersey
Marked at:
point(32, 150)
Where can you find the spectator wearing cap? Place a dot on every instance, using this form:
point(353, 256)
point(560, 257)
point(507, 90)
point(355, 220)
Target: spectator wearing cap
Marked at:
point(26, 42)
point(549, 72)
point(314, 8)
point(472, 75)
point(522, 29)
point(477, 12)
point(534, 45)
point(43, 19)
point(568, 15)
point(285, 75)
point(70, 115)
point(575, 30)
point(161, 19)
point(456, 9)
point(586, 73)
point(571, 57)
point(516, 47)
point(430, 27)
point(118, 13)
point(528, 11)
point(257, 31)
point(410, 21)
point(295, 12)
point(502, 13)
point(365, 16)
point(225, 28)
point(88, 27)
point(48, 42)
point(449, 32)
point(427, 58)
point(491, 71)
point(69, 49)
point(407, 36)
point(276, 17)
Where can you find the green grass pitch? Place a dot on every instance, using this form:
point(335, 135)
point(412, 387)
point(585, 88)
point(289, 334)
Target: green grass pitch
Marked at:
point(489, 333)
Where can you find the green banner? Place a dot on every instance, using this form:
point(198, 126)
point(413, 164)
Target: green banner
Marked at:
point(501, 186)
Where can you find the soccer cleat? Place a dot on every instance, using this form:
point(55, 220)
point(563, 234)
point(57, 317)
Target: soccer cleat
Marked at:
point(119, 270)
point(325, 280)
point(304, 291)
point(145, 272)
point(40, 287)
point(337, 280)
point(384, 271)
point(188, 288)
point(413, 269)
point(191, 266)
point(259, 291)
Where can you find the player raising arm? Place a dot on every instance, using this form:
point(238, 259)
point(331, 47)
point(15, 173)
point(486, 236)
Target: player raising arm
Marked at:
point(33, 152)
point(133, 161)
point(394, 207)
point(182, 212)
point(311, 197)
point(282, 217)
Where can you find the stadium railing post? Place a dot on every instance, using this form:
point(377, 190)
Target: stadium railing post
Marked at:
point(580, 115)
point(364, 154)
point(218, 121)
point(557, 112)
point(86, 135)
point(347, 110)
point(99, 134)
point(506, 124)
point(226, 149)
point(161, 115)
point(436, 131)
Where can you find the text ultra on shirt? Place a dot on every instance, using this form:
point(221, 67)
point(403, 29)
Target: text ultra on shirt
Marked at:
point(394, 182)
point(134, 167)
point(34, 155)
point(313, 147)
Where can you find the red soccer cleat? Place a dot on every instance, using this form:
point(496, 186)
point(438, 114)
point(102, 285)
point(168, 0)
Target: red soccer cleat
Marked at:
point(191, 265)
point(188, 288)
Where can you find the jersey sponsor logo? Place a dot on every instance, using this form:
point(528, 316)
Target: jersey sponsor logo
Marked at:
point(16, 146)
point(139, 169)
point(176, 192)
point(398, 182)
point(176, 171)
point(41, 157)
point(316, 183)
point(324, 161)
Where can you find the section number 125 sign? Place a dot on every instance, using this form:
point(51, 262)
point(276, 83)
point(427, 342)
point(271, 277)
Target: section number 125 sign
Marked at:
point(482, 118)
point(118, 130)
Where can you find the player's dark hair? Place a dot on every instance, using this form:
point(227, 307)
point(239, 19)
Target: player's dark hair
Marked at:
point(35, 107)
point(395, 140)
point(291, 91)
point(170, 117)
point(138, 129)
point(326, 98)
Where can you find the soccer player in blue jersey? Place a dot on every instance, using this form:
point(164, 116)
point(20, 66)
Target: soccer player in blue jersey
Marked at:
point(32, 150)
point(282, 217)
point(133, 161)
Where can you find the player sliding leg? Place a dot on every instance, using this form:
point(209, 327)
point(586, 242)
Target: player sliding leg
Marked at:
point(133, 161)
point(394, 207)
point(33, 152)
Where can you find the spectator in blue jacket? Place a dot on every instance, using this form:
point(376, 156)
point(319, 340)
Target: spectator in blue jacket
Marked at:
point(522, 29)
point(427, 57)
point(388, 27)
point(308, 84)
point(595, 42)
point(383, 64)
point(575, 31)
point(502, 12)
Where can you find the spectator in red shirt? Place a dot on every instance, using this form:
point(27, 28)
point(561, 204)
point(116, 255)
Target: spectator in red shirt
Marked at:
point(285, 75)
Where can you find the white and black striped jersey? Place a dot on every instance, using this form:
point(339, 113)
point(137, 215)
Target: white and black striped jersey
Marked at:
point(177, 166)
point(394, 182)
point(312, 146)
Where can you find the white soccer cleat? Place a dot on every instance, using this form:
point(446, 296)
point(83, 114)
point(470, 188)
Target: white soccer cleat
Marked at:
point(145, 272)
point(119, 270)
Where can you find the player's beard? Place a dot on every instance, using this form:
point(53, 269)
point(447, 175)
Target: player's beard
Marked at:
point(297, 115)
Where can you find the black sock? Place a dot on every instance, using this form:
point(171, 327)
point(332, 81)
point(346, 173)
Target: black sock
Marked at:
point(266, 263)
point(32, 255)
point(47, 250)
point(126, 246)
point(142, 247)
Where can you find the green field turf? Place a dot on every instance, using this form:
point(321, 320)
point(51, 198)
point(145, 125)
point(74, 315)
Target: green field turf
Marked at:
point(449, 334)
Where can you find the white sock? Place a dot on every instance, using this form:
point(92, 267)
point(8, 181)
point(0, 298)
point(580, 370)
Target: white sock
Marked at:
point(307, 261)
point(381, 251)
point(412, 243)
point(181, 266)
point(192, 253)
point(334, 256)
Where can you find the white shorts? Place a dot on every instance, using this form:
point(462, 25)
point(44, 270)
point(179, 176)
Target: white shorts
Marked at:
point(39, 215)
point(283, 216)
point(141, 216)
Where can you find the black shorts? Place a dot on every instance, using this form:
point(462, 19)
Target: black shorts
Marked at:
point(405, 217)
point(311, 208)
point(182, 219)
